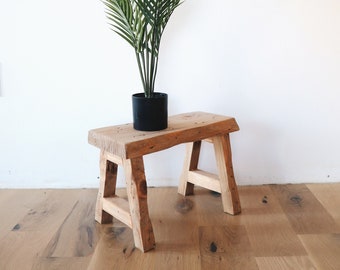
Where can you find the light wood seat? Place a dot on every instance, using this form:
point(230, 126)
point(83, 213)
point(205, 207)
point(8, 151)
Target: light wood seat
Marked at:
point(124, 146)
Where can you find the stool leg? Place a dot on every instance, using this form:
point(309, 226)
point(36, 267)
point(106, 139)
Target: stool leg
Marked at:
point(229, 192)
point(190, 164)
point(107, 187)
point(137, 196)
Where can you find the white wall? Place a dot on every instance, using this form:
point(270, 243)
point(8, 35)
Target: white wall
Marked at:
point(273, 64)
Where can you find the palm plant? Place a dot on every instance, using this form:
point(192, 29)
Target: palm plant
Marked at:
point(141, 23)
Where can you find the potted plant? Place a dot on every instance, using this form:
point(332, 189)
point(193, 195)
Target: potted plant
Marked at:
point(141, 23)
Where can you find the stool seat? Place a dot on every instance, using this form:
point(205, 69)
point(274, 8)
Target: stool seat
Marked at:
point(124, 146)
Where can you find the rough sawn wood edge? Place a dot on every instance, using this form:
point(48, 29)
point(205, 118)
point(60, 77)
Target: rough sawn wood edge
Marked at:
point(126, 142)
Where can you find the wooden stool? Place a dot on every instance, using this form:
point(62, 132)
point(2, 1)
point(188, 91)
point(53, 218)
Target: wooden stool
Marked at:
point(124, 146)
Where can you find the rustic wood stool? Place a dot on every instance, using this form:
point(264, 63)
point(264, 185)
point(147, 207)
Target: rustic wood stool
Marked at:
point(124, 146)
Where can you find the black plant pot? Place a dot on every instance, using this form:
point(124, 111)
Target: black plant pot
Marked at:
point(150, 114)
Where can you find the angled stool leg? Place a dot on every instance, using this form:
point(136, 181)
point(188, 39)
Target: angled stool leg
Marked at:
point(229, 191)
point(137, 196)
point(190, 164)
point(107, 187)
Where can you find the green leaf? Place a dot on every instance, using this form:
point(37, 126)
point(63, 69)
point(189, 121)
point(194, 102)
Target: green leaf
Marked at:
point(141, 23)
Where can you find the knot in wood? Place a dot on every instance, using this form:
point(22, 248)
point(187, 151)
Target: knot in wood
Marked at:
point(213, 247)
point(184, 205)
point(142, 189)
point(265, 199)
point(114, 232)
point(296, 199)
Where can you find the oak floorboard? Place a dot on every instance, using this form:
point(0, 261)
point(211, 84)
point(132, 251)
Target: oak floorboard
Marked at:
point(206, 199)
point(55, 229)
point(178, 260)
point(29, 237)
point(124, 256)
point(172, 214)
point(115, 249)
point(16, 203)
point(81, 225)
point(57, 263)
point(5, 195)
point(328, 196)
point(225, 247)
point(268, 228)
point(174, 224)
point(19, 250)
point(305, 213)
point(323, 249)
point(285, 263)
point(43, 216)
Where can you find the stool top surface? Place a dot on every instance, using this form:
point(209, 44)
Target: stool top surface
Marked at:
point(126, 142)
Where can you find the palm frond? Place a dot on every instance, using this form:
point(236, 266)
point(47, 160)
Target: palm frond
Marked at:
point(141, 23)
point(120, 13)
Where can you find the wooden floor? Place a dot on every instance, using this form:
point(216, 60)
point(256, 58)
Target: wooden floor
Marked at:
point(281, 227)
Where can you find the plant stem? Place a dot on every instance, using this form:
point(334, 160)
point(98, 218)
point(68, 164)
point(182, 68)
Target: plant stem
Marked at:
point(140, 68)
point(148, 74)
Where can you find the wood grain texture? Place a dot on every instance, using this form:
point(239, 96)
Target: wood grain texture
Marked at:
point(56, 229)
point(9, 201)
point(223, 183)
point(229, 191)
point(80, 224)
point(190, 164)
point(36, 229)
point(107, 185)
point(268, 227)
point(118, 208)
point(204, 179)
point(328, 196)
point(284, 263)
point(126, 142)
point(305, 213)
point(225, 247)
point(323, 249)
point(74, 263)
point(137, 196)
point(114, 249)
point(205, 199)
point(173, 214)
point(123, 145)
